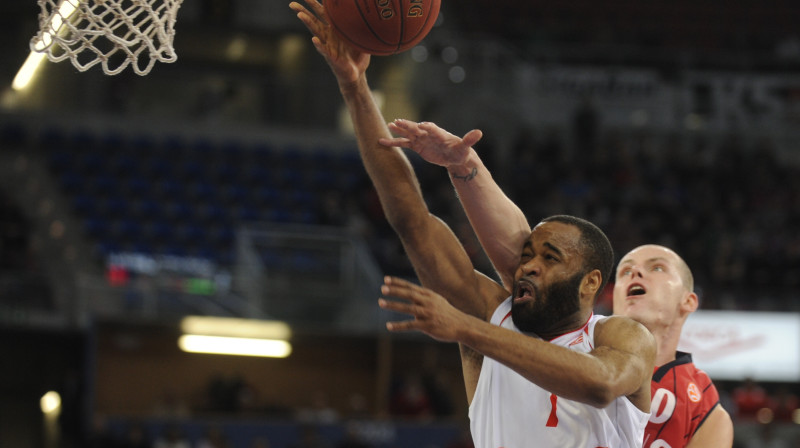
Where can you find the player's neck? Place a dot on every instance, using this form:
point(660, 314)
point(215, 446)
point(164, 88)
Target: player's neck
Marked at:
point(667, 339)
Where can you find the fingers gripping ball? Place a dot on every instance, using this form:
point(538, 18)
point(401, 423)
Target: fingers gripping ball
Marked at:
point(382, 27)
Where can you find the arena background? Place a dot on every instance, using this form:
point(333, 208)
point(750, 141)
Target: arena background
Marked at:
point(228, 184)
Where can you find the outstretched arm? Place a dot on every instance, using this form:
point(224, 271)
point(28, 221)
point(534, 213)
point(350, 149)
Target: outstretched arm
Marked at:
point(436, 254)
point(619, 365)
point(500, 225)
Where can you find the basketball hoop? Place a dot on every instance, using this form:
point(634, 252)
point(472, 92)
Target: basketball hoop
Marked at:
point(113, 33)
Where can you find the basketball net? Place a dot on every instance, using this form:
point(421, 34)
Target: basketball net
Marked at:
point(113, 33)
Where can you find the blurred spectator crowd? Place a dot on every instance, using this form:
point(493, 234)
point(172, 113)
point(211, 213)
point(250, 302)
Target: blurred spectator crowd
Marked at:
point(730, 208)
point(766, 416)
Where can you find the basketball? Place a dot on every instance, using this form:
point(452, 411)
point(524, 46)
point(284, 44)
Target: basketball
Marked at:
point(382, 27)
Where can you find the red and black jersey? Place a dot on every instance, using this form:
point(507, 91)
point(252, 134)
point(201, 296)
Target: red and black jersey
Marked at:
point(683, 397)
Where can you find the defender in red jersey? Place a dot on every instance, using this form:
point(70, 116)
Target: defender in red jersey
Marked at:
point(655, 287)
point(683, 397)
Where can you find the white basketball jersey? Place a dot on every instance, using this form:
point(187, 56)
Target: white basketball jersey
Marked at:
point(508, 411)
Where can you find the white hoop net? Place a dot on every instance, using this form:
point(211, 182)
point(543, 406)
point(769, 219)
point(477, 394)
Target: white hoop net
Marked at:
point(113, 33)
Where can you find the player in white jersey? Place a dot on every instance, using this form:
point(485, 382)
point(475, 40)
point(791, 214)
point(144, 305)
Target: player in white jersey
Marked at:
point(520, 407)
point(565, 262)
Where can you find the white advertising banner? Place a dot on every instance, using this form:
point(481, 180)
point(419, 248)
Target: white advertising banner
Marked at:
point(733, 345)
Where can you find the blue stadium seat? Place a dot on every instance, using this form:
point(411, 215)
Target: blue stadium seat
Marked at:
point(174, 147)
point(112, 143)
point(190, 170)
point(323, 179)
point(287, 177)
point(207, 251)
point(248, 213)
point(136, 187)
point(265, 195)
point(143, 247)
point(114, 206)
point(103, 185)
point(91, 163)
point(235, 194)
point(143, 145)
point(233, 152)
point(259, 176)
point(212, 213)
point(264, 154)
point(180, 211)
point(309, 216)
point(96, 227)
point(148, 210)
point(226, 172)
point(322, 157)
point(299, 197)
point(222, 235)
point(123, 165)
point(106, 247)
point(59, 161)
point(83, 140)
point(203, 149)
point(71, 182)
point(127, 230)
point(84, 205)
point(157, 168)
point(170, 189)
point(277, 214)
point(194, 233)
point(175, 249)
point(161, 231)
point(203, 191)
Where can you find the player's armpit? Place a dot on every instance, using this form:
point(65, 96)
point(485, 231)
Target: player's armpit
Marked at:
point(471, 362)
point(715, 432)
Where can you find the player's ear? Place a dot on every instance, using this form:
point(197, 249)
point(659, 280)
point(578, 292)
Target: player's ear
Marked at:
point(689, 303)
point(591, 283)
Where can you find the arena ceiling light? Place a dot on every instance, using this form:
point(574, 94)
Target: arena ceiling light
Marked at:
point(236, 327)
point(220, 345)
point(233, 336)
point(35, 58)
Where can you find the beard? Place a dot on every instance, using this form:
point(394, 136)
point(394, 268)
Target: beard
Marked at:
point(552, 305)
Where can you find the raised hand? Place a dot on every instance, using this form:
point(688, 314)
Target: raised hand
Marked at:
point(431, 142)
point(346, 62)
point(433, 314)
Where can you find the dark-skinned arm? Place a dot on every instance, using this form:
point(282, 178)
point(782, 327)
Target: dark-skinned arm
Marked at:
point(619, 365)
point(499, 224)
point(437, 255)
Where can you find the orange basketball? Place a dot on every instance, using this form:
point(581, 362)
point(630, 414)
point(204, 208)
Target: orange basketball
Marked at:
point(382, 27)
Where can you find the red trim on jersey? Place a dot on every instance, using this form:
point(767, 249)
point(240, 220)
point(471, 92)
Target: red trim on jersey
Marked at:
point(585, 328)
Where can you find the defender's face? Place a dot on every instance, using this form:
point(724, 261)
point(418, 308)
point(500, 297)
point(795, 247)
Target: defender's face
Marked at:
point(649, 286)
point(548, 278)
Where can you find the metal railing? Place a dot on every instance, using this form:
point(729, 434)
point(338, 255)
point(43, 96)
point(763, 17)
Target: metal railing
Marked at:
point(313, 276)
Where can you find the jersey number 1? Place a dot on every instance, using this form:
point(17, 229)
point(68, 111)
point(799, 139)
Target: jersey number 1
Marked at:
point(552, 421)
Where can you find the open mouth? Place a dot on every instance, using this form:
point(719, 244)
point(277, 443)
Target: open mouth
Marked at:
point(636, 290)
point(525, 291)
